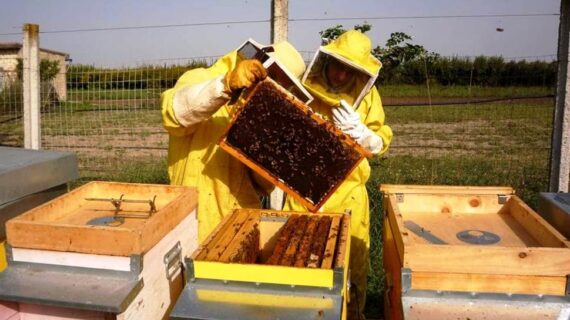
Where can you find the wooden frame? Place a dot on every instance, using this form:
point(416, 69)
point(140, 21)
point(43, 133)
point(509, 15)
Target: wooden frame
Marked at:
point(313, 207)
point(59, 225)
point(229, 232)
point(531, 258)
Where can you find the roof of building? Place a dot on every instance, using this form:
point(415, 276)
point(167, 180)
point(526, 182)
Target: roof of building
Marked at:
point(18, 46)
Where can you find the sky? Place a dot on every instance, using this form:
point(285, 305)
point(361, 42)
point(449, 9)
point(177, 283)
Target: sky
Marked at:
point(528, 36)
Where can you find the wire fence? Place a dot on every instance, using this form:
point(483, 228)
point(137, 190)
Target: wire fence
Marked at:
point(111, 117)
point(448, 134)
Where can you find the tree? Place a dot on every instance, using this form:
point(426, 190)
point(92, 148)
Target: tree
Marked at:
point(397, 51)
point(48, 69)
point(332, 33)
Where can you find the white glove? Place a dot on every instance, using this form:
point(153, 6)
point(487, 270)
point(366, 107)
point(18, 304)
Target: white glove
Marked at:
point(348, 121)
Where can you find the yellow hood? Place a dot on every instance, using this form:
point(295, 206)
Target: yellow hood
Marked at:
point(289, 57)
point(355, 47)
point(352, 48)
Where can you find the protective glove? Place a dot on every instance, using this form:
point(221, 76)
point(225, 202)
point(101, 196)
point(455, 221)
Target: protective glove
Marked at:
point(246, 73)
point(348, 121)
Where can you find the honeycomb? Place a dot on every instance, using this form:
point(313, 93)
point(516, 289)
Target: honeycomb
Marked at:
point(309, 157)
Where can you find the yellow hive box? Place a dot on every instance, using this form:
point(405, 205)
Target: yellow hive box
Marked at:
point(211, 263)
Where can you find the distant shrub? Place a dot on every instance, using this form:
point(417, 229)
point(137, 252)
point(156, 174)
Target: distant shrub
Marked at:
point(146, 77)
point(481, 71)
point(48, 69)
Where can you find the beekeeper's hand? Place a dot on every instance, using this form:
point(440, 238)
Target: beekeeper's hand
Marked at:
point(348, 121)
point(196, 103)
point(246, 73)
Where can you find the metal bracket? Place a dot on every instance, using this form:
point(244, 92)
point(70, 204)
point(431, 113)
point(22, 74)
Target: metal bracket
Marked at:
point(189, 270)
point(406, 279)
point(502, 198)
point(423, 233)
point(400, 197)
point(136, 264)
point(118, 202)
point(338, 280)
point(173, 260)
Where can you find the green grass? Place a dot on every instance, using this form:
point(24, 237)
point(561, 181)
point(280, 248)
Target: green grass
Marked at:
point(537, 114)
point(133, 172)
point(74, 122)
point(114, 94)
point(437, 90)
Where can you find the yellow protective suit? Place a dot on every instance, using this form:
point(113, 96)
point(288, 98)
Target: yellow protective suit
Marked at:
point(194, 158)
point(352, 193)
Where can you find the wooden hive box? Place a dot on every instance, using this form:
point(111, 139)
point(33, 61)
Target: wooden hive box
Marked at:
point(104, 250)
point(283, 260)
point(291, 248)
point(279, 137)
point(443, 241)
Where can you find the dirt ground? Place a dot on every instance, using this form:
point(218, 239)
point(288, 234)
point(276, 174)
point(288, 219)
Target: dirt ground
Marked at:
point(101, 147)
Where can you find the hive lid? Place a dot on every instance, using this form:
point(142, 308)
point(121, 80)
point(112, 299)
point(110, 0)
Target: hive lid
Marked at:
point(24, 172)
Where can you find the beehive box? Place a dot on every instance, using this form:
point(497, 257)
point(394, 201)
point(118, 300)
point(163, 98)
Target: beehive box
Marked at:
point(262, 264)
point(280, 138)
point(275, 247)
point(474, 240)
point(104, 250)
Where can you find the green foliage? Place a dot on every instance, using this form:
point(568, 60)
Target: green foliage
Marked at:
point(365, 27)
point(398, 51)
point(11, 98)
point(48, 69)
point(404, 62)
point(332, 33)
point(481, 71)
point(146, 77)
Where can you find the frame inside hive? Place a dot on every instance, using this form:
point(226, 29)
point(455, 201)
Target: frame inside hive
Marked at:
point(278, 238)
point(280, 138)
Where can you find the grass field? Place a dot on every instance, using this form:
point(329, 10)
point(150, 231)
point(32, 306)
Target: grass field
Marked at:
point(117, 94)
point(118, 136)
point(437, 90)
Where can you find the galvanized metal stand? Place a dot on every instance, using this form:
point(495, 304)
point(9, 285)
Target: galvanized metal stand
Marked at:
point(71, 287)
point(216, 299)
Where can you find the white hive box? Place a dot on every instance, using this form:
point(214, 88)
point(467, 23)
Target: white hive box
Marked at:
point(103, 251)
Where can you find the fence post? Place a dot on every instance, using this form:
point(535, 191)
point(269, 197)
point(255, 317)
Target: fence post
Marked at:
point(279, 29)
point(279, 20)
point(31, 77)
point(560, 151)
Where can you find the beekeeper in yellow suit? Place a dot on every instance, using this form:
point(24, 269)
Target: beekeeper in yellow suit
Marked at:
point(340, 80)
point(196, 113)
